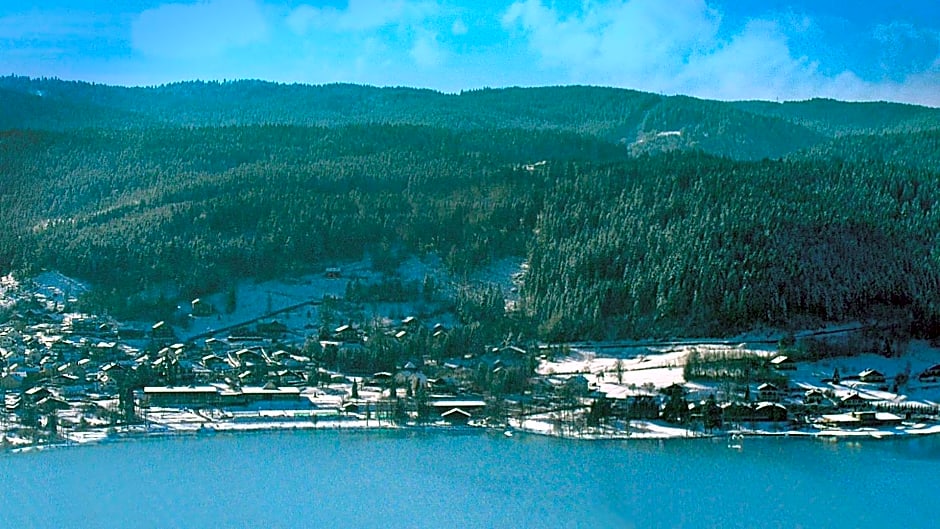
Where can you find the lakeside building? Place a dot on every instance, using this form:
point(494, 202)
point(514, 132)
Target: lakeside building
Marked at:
point(859, 419)
point(221, 396)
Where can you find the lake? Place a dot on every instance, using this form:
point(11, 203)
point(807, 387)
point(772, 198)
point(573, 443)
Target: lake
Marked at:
point(390, 479)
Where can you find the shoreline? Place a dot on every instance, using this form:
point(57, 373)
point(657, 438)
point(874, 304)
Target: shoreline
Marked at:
point(640, 431)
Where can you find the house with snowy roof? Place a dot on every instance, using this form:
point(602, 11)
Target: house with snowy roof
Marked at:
point(871, 375)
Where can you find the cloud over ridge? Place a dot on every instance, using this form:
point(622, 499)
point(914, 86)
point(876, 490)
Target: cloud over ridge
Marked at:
point(204, 29)
point(679, 47)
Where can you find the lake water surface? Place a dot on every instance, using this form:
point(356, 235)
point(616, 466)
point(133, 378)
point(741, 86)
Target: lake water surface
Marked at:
point(385, 479)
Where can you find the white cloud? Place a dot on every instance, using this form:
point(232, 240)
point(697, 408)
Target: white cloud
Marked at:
point(676, 47)
point(204, 29)
point(636, 38)
point(359, 15)
point(401, 32)
point(426, 50)
point(459, 28)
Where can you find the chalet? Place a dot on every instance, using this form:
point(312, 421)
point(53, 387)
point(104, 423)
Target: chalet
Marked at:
point(349, 407)
point(182, 397)
point(768, 392)
point(105, 351)
point(782, 363)
point(333, 272)
point(52, 403)
point(250, 358)
point(65, 349)
point(215, 363)
point(871, 375)
point(82, 366)
point(736, 412)
point(769, 412)
point(409, 321)
point(81, 323)
point(345, 333)
point(113, 369)
point(287, 377)
point(382, 377)
point(853, 401)
point(200, 308)
point(577, 385)
point(70, 386)
point(37, 393)
point(932, 373)
point(510, 350)
point(446, 384)
point(859, 419)
point(456, 416)
point(813, 397)
point(445, 405)
point(299, 360)
point(246, 377)
point(674, 389)
point(160, 332)
point(272, 329)
point(874, 418)
point(215, 345)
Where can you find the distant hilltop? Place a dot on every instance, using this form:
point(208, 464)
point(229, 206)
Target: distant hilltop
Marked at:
point(645, 122)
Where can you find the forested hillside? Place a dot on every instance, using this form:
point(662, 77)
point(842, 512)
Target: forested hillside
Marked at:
point(836, 118)
point(642, 121)
point(649, 215)
point(711, 245)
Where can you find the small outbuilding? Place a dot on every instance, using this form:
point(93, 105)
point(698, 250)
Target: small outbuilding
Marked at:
point(783, 363)
point(871, 375)
point(853, 401)
point(770, 412)
point(456, 416)
point(768, 392)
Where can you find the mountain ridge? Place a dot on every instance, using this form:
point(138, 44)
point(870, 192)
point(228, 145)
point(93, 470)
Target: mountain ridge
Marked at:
point(743, 130)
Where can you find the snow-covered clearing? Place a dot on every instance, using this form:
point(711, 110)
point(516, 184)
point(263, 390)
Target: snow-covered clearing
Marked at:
point(545, 424)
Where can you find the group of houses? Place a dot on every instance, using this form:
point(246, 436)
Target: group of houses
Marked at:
point(52, 360)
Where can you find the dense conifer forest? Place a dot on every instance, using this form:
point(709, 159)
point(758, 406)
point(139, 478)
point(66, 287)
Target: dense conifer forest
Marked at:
point(651, 215)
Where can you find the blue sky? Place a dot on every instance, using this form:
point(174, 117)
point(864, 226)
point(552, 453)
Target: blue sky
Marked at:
point(722, 49)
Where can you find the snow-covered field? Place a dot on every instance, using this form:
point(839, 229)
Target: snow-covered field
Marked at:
point(547, 425)
point(255, 299)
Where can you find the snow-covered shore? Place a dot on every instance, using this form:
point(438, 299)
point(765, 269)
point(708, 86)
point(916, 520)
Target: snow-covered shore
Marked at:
point(189, 424)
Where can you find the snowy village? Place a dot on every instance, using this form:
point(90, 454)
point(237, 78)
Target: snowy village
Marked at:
point(299, 355)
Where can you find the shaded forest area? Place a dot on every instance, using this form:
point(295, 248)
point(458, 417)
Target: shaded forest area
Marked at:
point(652, 215)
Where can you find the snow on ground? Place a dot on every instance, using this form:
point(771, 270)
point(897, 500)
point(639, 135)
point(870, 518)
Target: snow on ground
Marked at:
point(507, 273)
point(8, 284)
point(59, 287)
point(254, 299)
point(917, 357)
point(658, 430)
point(546, 424)
point(659, 369)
